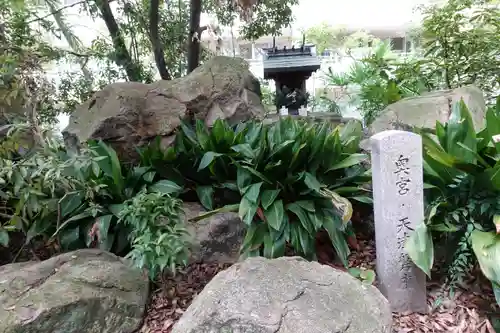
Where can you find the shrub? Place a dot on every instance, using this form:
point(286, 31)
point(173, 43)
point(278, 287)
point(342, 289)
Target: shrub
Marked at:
point(287, 177)
point(462, 172)
point(77, 200)
point(158, 236)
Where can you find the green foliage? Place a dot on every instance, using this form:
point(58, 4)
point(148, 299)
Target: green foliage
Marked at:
point(268, 96)
point(325, 36)
point(158, 237)
point(287, 181)
point(381, 79)
point(261, 18)
point(78, 200)
point(461, 169)
point(460, 39)
point(323, 103)
point(23, 54)
point(337, 38)
point(366, 276)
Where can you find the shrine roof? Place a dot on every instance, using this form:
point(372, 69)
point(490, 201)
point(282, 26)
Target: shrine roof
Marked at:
point(291, 59)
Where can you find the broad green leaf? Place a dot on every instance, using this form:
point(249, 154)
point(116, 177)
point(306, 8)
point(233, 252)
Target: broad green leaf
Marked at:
point(337, 237)
point(243, 178)
point(149, 176)
point(78, 217)
point(281, 147)
point(460, 129)
point(306, 204)
point(274, 247)
point(218, 130)
point(116, 209)
point(354, 271)
point(103, 224)
point(486, 246)
point(254, 237)
point(367, 276)
point(363, 199)
point(116, 168)
point(420, 248)
point(316, 219)
point(268, 197)
point(202, 135)
point(275, 215)
point(226, 209)
point(166, 187)
point(346, 190)
point(349, 161)
point(307, 242)
point(39, 227)
point(4, 237)
point(207, 159)
point(69, 236)
point(492, 176)
point(205, 195)
point(312, 182)
point(251, 192)
point(189, 133)
point(442, 227)
point(343, 205)
point(301, 214)
point(437, 152)
point(257, 173)
point(247, 210)
point(244, 149)
point(70, 201)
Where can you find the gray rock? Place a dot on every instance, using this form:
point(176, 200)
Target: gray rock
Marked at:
point(85, 291)
point(285, 295)
point(131, 114)
point(215, 239)
point(423, 111)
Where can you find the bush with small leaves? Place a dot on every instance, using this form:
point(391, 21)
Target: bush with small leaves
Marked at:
point(158, 236)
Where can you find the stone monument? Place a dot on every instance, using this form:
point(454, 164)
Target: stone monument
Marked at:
point(399, 206)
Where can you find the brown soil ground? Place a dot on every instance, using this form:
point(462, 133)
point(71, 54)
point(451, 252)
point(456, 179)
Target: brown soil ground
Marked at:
point(470, 311)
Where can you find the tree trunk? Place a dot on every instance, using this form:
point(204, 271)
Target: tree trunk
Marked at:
point(123, 57)
point(194, 35)
point(155, 40)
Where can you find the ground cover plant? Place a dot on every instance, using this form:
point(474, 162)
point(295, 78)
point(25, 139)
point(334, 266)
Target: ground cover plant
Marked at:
point(90, 199)
point(462, 175)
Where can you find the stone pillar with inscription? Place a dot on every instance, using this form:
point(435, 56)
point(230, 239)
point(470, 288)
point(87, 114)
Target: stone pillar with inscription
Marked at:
point(399, 206)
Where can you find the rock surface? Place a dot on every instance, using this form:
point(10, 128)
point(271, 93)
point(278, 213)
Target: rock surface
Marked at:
point(131, 114)
point(285, 295)
point(82, 291)
point(216, 239)
point(425, 110)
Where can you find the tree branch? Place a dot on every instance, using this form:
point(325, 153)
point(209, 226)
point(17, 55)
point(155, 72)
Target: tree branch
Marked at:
point(123, 57)
point(155, 40)
point(194, 35)
point(59, 10)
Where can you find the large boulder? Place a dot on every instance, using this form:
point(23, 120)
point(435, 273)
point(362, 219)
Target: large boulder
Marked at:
point(286, 295)
point(424, 111)
point(83, 291)
point(131, 114)
point(217, 238)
